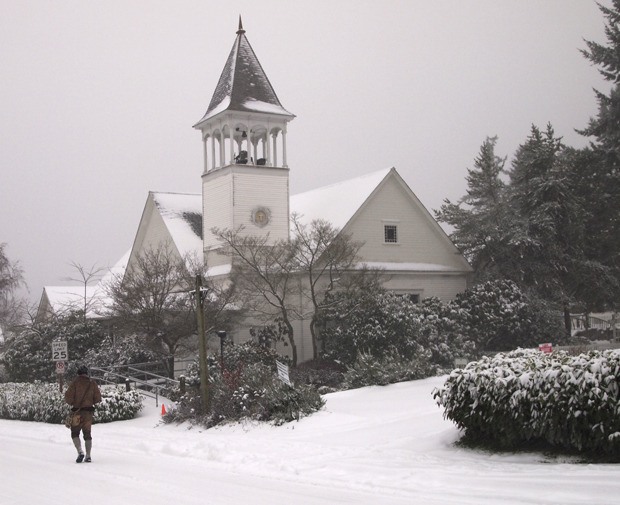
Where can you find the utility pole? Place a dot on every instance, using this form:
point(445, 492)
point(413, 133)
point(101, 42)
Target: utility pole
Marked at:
point(204, 373)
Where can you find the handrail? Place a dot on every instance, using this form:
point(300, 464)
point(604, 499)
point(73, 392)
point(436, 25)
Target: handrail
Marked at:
point(145, 383)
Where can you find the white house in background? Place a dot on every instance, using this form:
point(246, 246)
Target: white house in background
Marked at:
point(245, 182)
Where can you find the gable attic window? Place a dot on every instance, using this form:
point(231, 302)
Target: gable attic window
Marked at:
point(390, 234)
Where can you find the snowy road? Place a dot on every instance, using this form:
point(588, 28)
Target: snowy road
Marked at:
point(374, 446)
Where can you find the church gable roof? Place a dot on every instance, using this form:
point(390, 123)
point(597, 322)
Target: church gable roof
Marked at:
point(342, 205)
point(243, 85)
point(337, 203)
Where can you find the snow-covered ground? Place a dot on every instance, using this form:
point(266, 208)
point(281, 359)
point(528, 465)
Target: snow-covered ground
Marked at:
point(379, 445)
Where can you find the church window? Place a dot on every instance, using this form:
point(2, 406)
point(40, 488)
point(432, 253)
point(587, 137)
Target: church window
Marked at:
point(390, 234)
point(412, 297)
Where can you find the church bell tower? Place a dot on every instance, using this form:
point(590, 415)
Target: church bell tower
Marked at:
point(245, 179)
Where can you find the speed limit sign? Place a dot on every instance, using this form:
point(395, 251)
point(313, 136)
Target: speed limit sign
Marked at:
point(60, 367)
point(59, 351)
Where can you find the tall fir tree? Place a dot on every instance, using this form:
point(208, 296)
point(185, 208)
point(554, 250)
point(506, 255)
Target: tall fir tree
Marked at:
point(549, 235)
point(480, 219)
point(598, 168)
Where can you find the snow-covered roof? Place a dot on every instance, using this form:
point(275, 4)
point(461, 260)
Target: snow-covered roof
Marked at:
point(182, 215)
point(64, 299)
point(409, 267)
point(336, 203)
point(243, 85)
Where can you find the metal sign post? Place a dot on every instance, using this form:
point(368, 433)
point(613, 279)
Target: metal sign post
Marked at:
point(60, 354)
point(60, 373)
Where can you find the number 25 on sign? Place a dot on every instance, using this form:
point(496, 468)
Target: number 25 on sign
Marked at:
point(59, 351)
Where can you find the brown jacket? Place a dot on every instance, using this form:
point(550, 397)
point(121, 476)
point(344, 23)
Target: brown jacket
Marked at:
point(83, 387)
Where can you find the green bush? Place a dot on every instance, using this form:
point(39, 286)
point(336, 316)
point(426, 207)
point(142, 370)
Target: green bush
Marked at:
point(527, 397)
point(45, 403)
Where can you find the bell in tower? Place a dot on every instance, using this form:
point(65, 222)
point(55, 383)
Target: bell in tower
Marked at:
point(245, 122)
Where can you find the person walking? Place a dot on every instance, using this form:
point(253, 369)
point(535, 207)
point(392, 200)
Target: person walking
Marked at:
point(83, 394)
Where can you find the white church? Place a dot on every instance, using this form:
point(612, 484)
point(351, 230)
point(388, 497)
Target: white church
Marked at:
point(245, 183)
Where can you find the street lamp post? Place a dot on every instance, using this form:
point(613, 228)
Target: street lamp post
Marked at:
point(204, 374)
point(222, 335)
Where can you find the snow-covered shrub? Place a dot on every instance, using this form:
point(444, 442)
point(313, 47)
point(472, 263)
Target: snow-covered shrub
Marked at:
point(117, 404)
point(391, 368)
point(384, 324)
point(32, 402)
point(526, 397)
point(246, 387)
point(493, 315)
point(498, 316)
point(44, 402)
point(375, 323)
point(284, 403)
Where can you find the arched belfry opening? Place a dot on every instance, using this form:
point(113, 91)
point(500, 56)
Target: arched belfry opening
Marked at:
point(245, 122)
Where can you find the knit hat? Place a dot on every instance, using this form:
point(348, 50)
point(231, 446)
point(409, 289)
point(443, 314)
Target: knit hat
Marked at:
point(82, 370)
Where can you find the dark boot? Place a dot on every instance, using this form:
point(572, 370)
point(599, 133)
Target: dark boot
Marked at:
point(78, 446)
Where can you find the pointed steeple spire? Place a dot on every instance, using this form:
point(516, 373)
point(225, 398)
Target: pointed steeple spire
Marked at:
point(243, 85)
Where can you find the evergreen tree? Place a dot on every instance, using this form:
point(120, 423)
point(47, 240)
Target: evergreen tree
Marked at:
point(11, 278)
point(549, 238)
point(597, 286)
point(599, 168)
point(481, 218)
point(607, 57)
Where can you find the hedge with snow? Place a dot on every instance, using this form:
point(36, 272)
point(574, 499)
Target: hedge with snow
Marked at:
point(44, 402)
point(525, 396)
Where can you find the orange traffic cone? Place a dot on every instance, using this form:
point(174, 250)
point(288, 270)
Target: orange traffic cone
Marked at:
point(163, 409)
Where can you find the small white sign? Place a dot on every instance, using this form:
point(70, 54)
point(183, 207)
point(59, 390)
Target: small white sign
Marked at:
point(283, 373)
point(59, 351)
point(60, 367)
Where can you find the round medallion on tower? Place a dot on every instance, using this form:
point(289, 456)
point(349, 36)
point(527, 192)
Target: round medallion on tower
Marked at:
point(261, 216)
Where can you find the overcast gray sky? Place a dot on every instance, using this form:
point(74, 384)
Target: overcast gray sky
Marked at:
point(97, 101)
